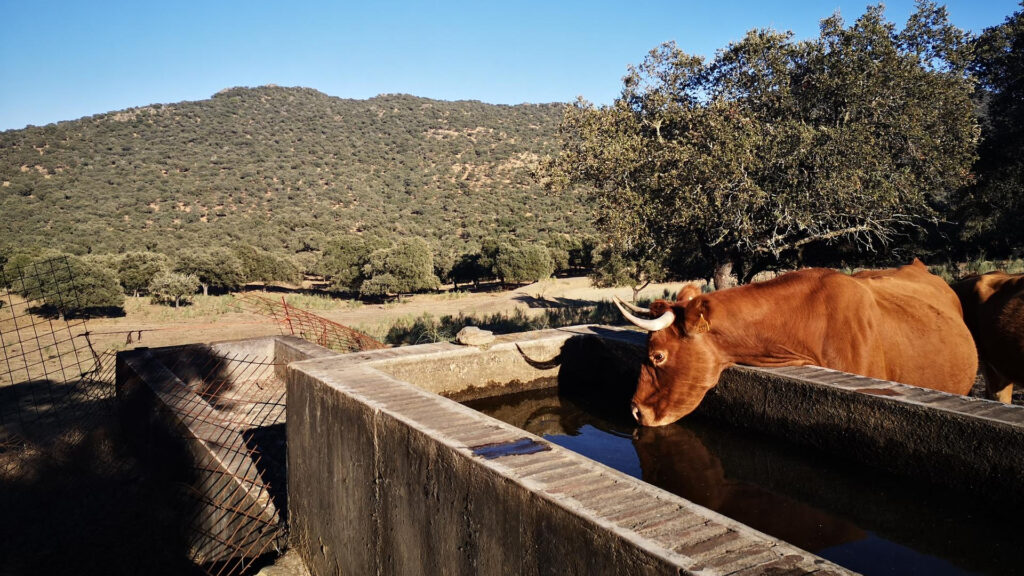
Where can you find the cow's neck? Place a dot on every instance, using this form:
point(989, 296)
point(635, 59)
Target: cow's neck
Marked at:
point(760, 327)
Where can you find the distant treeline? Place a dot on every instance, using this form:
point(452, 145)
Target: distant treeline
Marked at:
point(349, 266)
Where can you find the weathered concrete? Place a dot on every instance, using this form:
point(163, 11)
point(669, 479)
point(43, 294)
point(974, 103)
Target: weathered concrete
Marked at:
point(380, 481)
point(510, 363)
point(176, 426)
point(182, 435)
point(289, 564)
point(388, 478)
point(964, 443)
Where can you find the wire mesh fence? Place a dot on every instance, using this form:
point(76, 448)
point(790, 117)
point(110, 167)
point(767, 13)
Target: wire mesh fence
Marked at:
point(308, 326)
point(105, 497)
point(224, 414)
point(50, 368)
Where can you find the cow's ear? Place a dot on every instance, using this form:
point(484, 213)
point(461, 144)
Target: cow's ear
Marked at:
point(688, 292)
point(698, 318)
point(700, 326)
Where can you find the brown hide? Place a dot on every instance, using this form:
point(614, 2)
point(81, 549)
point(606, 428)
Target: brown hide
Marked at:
point(994, 311)
point(902, 324)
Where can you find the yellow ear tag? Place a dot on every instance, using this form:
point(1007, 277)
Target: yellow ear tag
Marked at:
point(702, 325)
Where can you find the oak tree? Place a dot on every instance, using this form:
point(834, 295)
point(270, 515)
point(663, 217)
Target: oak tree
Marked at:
point(993, 209)
point(776, 145)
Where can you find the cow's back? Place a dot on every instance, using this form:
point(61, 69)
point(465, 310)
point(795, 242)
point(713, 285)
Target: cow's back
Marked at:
point(919, 329)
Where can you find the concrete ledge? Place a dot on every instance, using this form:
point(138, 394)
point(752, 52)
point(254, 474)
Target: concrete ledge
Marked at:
point(156, 403)
point(386, 475)
point(188, 437)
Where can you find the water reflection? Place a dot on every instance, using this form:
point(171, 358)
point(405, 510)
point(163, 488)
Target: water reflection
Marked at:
point(866, 521)
point(676, 459)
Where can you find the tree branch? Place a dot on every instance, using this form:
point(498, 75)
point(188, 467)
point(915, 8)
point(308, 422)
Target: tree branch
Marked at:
point(776, 250)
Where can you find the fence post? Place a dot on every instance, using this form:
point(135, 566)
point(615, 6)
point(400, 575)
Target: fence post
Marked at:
point(287, 316)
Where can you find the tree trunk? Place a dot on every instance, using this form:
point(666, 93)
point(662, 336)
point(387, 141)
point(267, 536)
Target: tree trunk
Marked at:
point(723, 275)
point(206, 289)
point(638, 288)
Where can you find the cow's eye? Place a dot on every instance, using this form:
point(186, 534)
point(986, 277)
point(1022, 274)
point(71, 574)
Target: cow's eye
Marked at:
point(658, 357)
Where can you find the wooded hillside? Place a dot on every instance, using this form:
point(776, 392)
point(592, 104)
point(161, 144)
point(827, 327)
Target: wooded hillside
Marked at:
point(283, 169)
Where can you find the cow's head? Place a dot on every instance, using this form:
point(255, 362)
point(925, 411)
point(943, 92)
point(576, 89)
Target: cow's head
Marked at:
point(682, 361)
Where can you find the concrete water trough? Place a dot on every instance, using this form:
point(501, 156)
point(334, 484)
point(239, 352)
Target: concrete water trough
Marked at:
point(211, 418)
point(388, 473)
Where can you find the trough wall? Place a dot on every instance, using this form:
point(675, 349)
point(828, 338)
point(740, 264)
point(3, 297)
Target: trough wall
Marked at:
point(180, 435)
point(387, 478)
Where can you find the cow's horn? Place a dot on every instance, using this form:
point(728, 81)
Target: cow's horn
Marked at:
point(634, 307)
point(652, 324)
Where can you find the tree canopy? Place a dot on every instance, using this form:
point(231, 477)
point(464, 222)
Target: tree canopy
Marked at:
point(70, 285)
point(406, 267)
point(517, 263)
point(137, 269)
point(173, 287)
point(343, 260)
point(993, 210)
point(217, 268)
point(774, 146)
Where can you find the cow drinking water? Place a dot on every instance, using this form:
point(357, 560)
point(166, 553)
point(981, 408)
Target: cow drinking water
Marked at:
point(904, 325)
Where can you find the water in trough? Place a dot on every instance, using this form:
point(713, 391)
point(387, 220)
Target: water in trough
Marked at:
point(866, 520)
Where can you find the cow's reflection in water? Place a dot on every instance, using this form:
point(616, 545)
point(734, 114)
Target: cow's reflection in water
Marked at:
point(859, 518)
point(686, 459)
point(676, 459)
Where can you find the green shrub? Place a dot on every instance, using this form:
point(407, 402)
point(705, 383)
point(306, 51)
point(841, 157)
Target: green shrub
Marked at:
point(69, 285)
point(979, 266)
point(136, 270)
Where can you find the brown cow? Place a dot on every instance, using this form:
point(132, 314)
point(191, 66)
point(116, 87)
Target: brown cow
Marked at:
point(903, 324)
point(994, 311)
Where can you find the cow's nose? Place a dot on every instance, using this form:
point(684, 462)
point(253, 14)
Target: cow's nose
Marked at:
point(636, 413)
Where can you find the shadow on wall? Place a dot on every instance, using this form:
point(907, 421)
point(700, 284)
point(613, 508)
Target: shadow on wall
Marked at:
point(214, 422)
point(602, 371)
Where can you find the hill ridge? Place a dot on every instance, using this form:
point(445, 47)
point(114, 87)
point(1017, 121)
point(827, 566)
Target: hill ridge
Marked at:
point(282, 169)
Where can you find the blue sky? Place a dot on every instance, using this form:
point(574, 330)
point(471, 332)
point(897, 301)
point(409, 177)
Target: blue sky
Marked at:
point(65, 60)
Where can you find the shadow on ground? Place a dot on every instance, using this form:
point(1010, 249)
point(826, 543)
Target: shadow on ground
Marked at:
point(74, 501)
